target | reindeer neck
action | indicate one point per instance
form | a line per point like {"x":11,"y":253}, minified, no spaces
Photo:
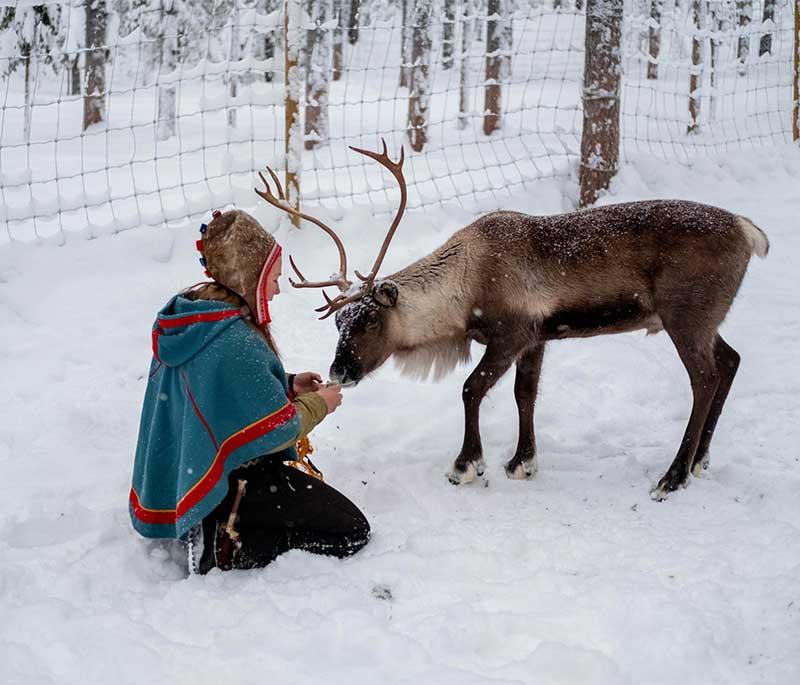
{"x":432,"y":296}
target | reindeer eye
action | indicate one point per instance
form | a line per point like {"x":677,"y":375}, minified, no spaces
{"x":373,"y":320}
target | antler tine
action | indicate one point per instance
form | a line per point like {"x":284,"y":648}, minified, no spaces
{"x":396,"y":168}
{"x":337,"y":303}
{"x":277,"y":183}
{"x":341,"y":282}
{"x":296,"y":270}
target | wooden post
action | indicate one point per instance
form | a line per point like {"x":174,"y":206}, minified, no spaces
{"x":293,"y":14}
{"x":796,"y":118}
{"x":602,"y":76}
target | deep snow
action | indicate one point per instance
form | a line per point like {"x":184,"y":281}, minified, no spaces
{"x":574,"y":577}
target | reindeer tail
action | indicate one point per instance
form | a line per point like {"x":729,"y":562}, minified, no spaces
{"x":759,"y":243}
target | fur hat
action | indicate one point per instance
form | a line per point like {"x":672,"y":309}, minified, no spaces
{"x":239,"y":254}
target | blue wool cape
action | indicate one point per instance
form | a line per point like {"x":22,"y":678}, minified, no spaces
{"x":216,"y":397}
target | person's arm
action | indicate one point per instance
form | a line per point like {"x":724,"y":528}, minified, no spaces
{"x":312,"y":408}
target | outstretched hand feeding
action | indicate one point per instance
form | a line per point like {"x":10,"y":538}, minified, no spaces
{"x":306,"y":382}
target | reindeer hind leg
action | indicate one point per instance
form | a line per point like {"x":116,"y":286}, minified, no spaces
{"x":695,"y":346}
{"x":727,"y":361}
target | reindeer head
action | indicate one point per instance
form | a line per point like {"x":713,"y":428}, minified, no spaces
{"x":362,"y":312}
{"x":363,"y":344}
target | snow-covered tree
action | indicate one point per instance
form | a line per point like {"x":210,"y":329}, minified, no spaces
{"x":72,"y":31}
{"x":654,"y":42}
{"x":271,"y":38}
{"x":497,"y":39}
{"x":318,"y":66}
{"x":175,"y":32}
{"x":602,"y":77}
{"x":352,"y":24}
{"x":30,"y":33}
{"x":338,"y":40}
{"x":420,"y":87}
{"x":448,"y":33}
{"x":406,"y":17}
{"x":744,"y":9}
{"x":507,"y":39}
{"x":94,"y":92}
{"x":467,"y":34}
{"x":696,"y":73}
{"x":765,"y":45}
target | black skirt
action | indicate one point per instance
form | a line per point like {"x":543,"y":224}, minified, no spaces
{"x":283,"y":509}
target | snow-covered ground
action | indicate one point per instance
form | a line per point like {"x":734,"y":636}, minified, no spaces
{"x":574,"y":577}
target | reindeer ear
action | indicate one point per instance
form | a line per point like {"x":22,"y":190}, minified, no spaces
{"x":385,"y":293}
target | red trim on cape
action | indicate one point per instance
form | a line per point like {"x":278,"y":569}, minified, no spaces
{"x":212,"y":476}
{"x":202,"y":317}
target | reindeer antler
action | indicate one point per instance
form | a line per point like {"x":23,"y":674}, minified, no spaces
{"x":333,"y":305}
{"x":396,"y":168}
{"x":280,"y":202}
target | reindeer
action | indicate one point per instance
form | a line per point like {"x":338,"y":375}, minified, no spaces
{"x":514,"y":282}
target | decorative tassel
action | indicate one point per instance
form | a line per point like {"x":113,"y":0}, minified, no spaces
{"x":303,"y":463}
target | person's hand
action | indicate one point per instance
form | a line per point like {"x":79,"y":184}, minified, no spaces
{"x":332,"y":394}
{"x":306,"y":382}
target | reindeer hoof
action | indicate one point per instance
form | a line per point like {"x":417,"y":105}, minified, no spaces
{"x":521,"y":470}
{"x":701,"y":465}
{"x":669,"y":483}
{"x":470,"y":472}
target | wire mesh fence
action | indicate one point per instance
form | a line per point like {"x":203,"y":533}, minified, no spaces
{"x":123,"y":113}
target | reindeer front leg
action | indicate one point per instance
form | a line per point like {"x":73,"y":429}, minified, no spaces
{"x":496,"y":360}
{"x":529,"y":367}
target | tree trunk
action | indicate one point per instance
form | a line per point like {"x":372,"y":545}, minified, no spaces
{"x":234,"y":56}
{"x":406,"y":8}
{"x":467,"y":33}
{"x":269,"y":43}
{"x":492,"y":81}
{"x":655,"y":39}
{"x":26,"y":56}
{"x":74,"y":79}
{"x":765,"y":47}
{"x":716,"y":23}
{"x":601,"y":90}
{"x":318,"y":56}
{"x":744,"y":8}
{"x":168,"y":62}
{"x":695,"y":74}
{"x":448,"y":34}
{"x":352,"y":24}
{"x":338,"y":40}
{"x":94,"y":94}
{"x":796,"y":78}
{"x":419,"y":95}
{"x":507,"y":39}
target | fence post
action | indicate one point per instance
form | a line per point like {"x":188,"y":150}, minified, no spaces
{"x":796,"y":117}
{"x":601,"y":90}
{"x":293,"y":87}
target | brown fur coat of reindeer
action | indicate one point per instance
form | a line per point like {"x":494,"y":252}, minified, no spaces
{"x":514,"y":282}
